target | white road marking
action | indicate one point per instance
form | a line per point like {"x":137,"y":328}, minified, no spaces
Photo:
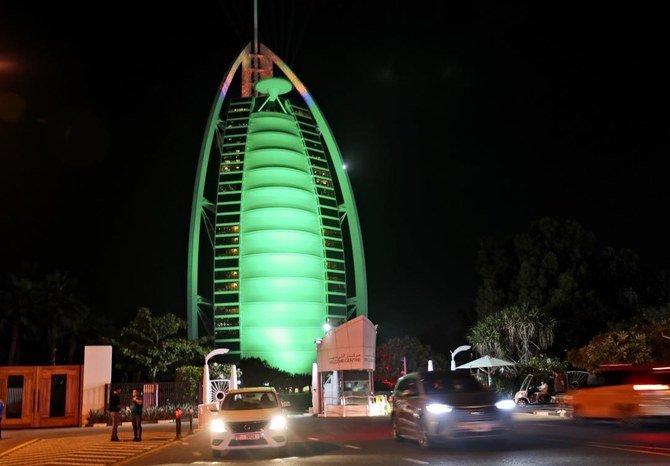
{"x":196,"y":453}
{"x":314,"y":439}
{"x":412,"y":460}
{"x":353,"y":447}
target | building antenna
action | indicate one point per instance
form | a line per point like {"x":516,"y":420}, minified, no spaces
{"x":256,"y":27}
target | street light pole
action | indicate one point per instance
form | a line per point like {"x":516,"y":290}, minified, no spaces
{"x":455,"y":352}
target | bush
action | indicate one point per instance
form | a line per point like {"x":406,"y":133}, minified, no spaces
{"x":97,"y":416}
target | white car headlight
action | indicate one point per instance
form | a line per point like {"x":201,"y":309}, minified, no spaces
{"x":438,"y":408}
{"x":505,"y":404}
{"x":277,"y":423}
{"x":217,"y":425}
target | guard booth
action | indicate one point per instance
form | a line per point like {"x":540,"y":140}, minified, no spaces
{"x":343,"y":376}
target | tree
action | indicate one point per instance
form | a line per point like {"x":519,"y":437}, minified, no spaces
{"x":559,"y":267}
{"x":153,"y":343}
{"x":257,"y":372}
{"x":640,"y":344}
{"x":18,"y":300}
{"x":516,"y":333}
{"x":616,"y":347}
{"x":62,"y":312}
{"x":390,"y":354}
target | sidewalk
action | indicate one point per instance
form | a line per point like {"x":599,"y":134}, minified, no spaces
{"x":73,"y":438}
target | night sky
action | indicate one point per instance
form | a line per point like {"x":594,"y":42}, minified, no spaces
{"x":458,"y":121}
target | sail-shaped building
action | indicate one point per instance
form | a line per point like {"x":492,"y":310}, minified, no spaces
{"x":275,"y":213}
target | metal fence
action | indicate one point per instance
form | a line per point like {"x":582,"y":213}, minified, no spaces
{"x":159,"y":394}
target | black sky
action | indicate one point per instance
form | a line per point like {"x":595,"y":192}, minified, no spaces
{"x":458,"y":121}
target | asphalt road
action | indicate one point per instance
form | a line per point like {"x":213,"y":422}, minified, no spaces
{"x":538,"y":440}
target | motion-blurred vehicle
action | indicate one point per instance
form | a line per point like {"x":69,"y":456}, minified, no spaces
{"x":527,"y":393}
{"x":249,"y":418}
{"x":436,"y":406}
{"x":624,"y":392}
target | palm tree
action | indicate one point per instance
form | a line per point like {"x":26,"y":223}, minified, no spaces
{"x":18,"y":300}
{"x":517,"y":333}
{"x":62,"y":310}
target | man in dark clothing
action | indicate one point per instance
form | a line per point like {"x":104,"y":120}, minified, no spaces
{"x":114,"y":409}
{"x":136,"y":412}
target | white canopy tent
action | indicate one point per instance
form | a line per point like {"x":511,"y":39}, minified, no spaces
{"x":486,"y":364}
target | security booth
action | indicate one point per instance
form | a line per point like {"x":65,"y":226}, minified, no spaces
{"x":344,"y":371}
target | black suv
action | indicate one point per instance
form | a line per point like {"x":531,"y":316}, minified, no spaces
{"x":433,"y":406}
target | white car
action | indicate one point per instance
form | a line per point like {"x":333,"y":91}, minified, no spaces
{"x":249,"y":418}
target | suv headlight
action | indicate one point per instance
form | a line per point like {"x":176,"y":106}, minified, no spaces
{"x":277,"y":423}
{"x":505,"y":404}
{"x":438,"y":408}
{"x":217,"y":425}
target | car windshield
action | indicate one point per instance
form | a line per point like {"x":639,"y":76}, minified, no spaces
{"x":249,"y":400}
{"x":452,"y":384}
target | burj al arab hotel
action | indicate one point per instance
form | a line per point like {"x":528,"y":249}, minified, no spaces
{"x":275,"y":249}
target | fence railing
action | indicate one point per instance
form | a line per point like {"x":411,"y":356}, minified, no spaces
{"x":159,"y":394}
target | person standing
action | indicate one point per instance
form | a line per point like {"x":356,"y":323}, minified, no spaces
{"x":114,"y":411}
{"x":136,"y":412}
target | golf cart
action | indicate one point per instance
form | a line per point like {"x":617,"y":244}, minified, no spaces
{"x":528,"y":392}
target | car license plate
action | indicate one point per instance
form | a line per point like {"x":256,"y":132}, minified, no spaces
{"x":477,"y":426}
{"x":247,"y":436}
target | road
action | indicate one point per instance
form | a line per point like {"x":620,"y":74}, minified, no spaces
{"x":538,"y":440}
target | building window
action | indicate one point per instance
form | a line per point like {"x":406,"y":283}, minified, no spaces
{"x":227,"y":322}
{"x":226,"y":286}
{"x":330,"y":254}
{"x":226,"y":274}
{"x":230,"y":168}
{"x":227,"y":310}
{"x":224,"y":188}
{"x":335,"y":265}
{"x":226,"y":298}
{"x":227,"y":263}
{"x":332,"y":244}
{"x":327,"y":202}
{"x":227,"y":252}
{"x":330,"y":222}
{"x":227,"y":218}
{"x":226,"y":229}
{"x":332,"y":233}
{"x":323,"y":182}
{"x":337,"y":299}
{"x":337,"y":287}
{"x":338,"y":277}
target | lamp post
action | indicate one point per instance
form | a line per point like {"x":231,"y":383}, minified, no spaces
{"x":455,"y":352}
{"x":205,"y":373}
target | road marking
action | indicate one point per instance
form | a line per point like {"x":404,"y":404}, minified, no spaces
{"x":353,"y":447}
{"x":196,"y":453}
{"x":632,"y":450}
{"x":24,"y":444}
{"x":314,"y":439}
{"x":632,"y":446}
{"x":412,"y":460}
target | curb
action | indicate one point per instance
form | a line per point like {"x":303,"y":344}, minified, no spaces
{"x":559,"y":413}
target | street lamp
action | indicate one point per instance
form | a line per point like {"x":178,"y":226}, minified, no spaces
{"x":455,"y":352}
{"x":206,"y":394}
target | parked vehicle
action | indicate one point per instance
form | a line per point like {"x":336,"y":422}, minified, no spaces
{"x":249,"y":418}
{"x":625,"y":393}
{"x":558,"y":385}
{"x":430,"y":407}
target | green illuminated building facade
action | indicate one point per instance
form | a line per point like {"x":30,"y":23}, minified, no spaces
{"x":280,"y":218}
